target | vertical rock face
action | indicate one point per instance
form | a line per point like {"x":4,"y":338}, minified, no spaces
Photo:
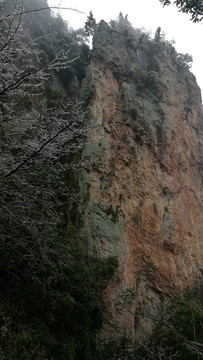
{"x":143,"y":184}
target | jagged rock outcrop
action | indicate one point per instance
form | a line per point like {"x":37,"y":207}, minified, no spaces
{"x":143,"y":185}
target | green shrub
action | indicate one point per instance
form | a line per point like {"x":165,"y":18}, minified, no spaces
{"x":179,"y":333}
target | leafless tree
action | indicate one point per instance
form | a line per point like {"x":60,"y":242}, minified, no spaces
{"x":38,"y":143}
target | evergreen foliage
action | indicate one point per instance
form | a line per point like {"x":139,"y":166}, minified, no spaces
{"x":177,"y":332}
{"x":90,"y":24}
{"x":181,"y":327}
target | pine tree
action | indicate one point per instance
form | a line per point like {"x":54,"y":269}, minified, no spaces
{"x":90,"y":24}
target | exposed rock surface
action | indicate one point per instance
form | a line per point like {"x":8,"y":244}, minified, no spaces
{"x":143,"y":185}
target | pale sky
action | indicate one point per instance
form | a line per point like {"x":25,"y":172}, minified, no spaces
{"x":144,"y":13}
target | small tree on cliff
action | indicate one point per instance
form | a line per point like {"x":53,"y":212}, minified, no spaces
{"x":90,"y":24}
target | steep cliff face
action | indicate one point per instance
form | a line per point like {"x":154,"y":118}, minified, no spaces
{"x":143,"y":184}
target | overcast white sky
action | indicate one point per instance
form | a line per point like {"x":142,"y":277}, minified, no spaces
{"x":148,"y":14}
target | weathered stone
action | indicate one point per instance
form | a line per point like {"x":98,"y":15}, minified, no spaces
{"x":150,"y":170}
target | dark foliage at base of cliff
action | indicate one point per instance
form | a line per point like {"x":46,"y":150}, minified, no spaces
{"x":58,"y":315}
{"x":180,"y":330}
{"x":177,"y":332}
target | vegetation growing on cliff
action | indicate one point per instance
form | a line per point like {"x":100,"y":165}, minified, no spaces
{"x":141,"y":40}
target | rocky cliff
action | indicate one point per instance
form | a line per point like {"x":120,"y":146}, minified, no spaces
{"x":142,"y":186}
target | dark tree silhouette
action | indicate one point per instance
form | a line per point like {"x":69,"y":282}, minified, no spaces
{"x":90,"y":24}
{"x":193,"y":7}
